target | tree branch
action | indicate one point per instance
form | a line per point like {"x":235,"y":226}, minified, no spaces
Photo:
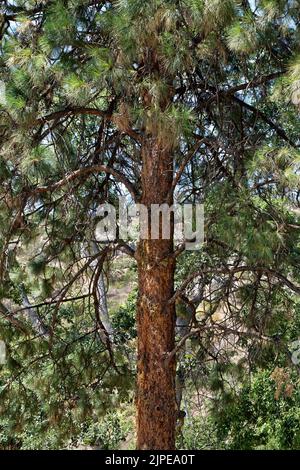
{"x":86,"y":172}
{"x":253,"y":83}
{"x":225,"y":329}
{"x":183,"y":165}
{"x":279,"y":131}
{"x":263,"y":270}
{"x":68,"y":112}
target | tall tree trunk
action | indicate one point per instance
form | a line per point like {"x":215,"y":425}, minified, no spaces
{"x":156,"y":403}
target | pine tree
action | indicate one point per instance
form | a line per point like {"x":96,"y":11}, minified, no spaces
{"x":148,"y":97}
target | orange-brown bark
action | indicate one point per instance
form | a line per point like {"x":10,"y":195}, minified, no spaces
{"x":156,"y":404}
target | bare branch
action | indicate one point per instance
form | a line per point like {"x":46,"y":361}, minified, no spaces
{"x":259,"y":269}
{"x":85,"y":172}
{"x":183,"y":165}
